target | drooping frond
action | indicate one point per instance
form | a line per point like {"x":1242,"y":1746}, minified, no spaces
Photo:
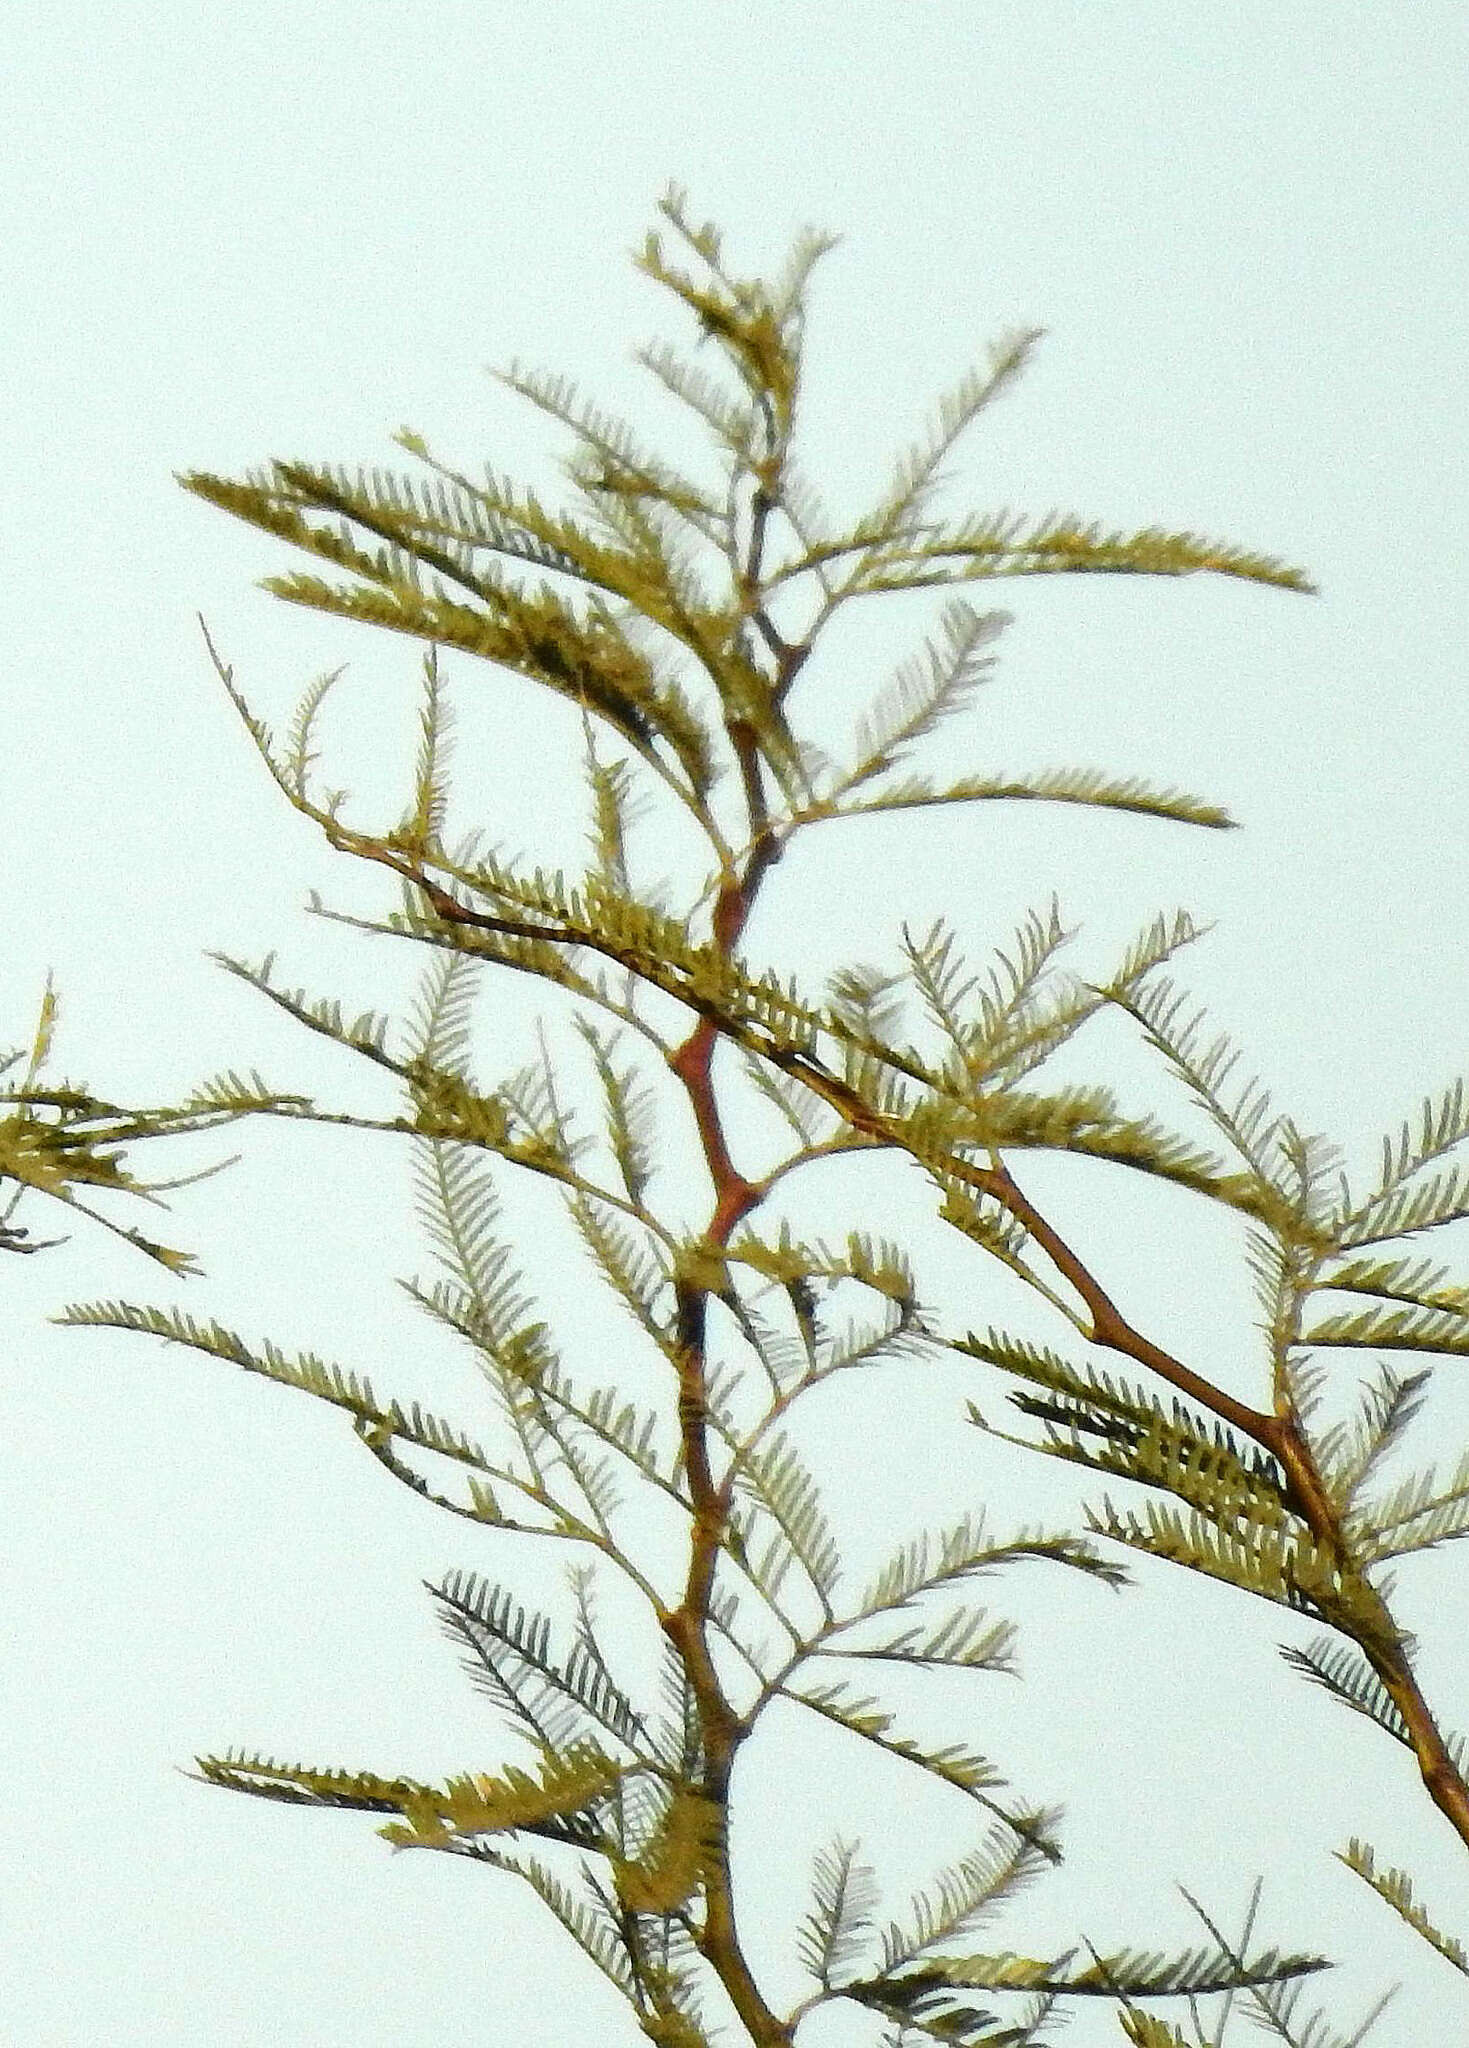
{"x":598,"y":1932}
{"x":1007,"y":545}
{"x":861,"y":1714}
{"x":965,"y":1549}
{"x":582,"y":655}
{"x":1281,"y":1564}
{"x":1093,"y":1420}
{"x":458,"y":1211}
{"x":1079,"y":1120}
{"x":437,"y":1028}
{"x":1340,"y":1669}
{"x":1091,"y":787}
{"x":953,"y":1763}
{"x":306,"y":1372}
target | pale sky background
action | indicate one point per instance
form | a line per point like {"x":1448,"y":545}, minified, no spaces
{"x":268,"y":229}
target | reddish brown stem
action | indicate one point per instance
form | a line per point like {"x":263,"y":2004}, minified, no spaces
{"x":1281,"y":1435}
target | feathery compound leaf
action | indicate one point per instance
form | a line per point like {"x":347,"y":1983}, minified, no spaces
{"x":777,"y":1487}
{"x":1349,"y":1454}
{"x":1415,"y":1515}
{"x":732,"y":420}
{"x":1396,"y":1329}
{"x":596,"y":1930}
{"x":306,"y":1372}
{"x":964,"y":1638}
{"x":635,"y":1270}
{"x":613,"y":811}
{"x":610,"y":458}
{"x":1396,"y":1207}
{"x":1395,"y":1887}
{"x":300,"y":751}
{"x":1279,"y":1564}
{"x":1198,"y":1973}
{"x":952,"y":1763}
{"x":810,"y":1118}
{"x":554,"y":1800}
{"x":924,"y":693}
{"x":367,"y":1034}
{"x":423,"y":827}
{"x":1418,"y":1283}
{"x":1146,"y":2030}
{"x":876,"y":1263}
{"x":670,"y":1868}
{"x":920,"y":471}
{"x":558,"y":1701}
{"x":1249,"y":1124}
{"x":839,"y":1922}
{"x":1007,"y":545}
{"x":961,"y":1899}
{"x":1341,"y":1669}
{"x":629,"y":1108}
{"x":965,"y":1549}
{"x":308,"y":1784}
{"x":1087,"y":786}
{"x":760,"y":336}
{"x":1102,"y":1423}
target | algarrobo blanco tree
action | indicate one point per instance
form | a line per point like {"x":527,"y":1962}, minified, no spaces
{"x":667,"y":610}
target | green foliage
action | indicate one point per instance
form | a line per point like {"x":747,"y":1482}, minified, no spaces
{"x":58,"y":1139}
{"x":675,"y":615}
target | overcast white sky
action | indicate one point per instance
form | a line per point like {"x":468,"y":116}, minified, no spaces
{"x":264,"y":230}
